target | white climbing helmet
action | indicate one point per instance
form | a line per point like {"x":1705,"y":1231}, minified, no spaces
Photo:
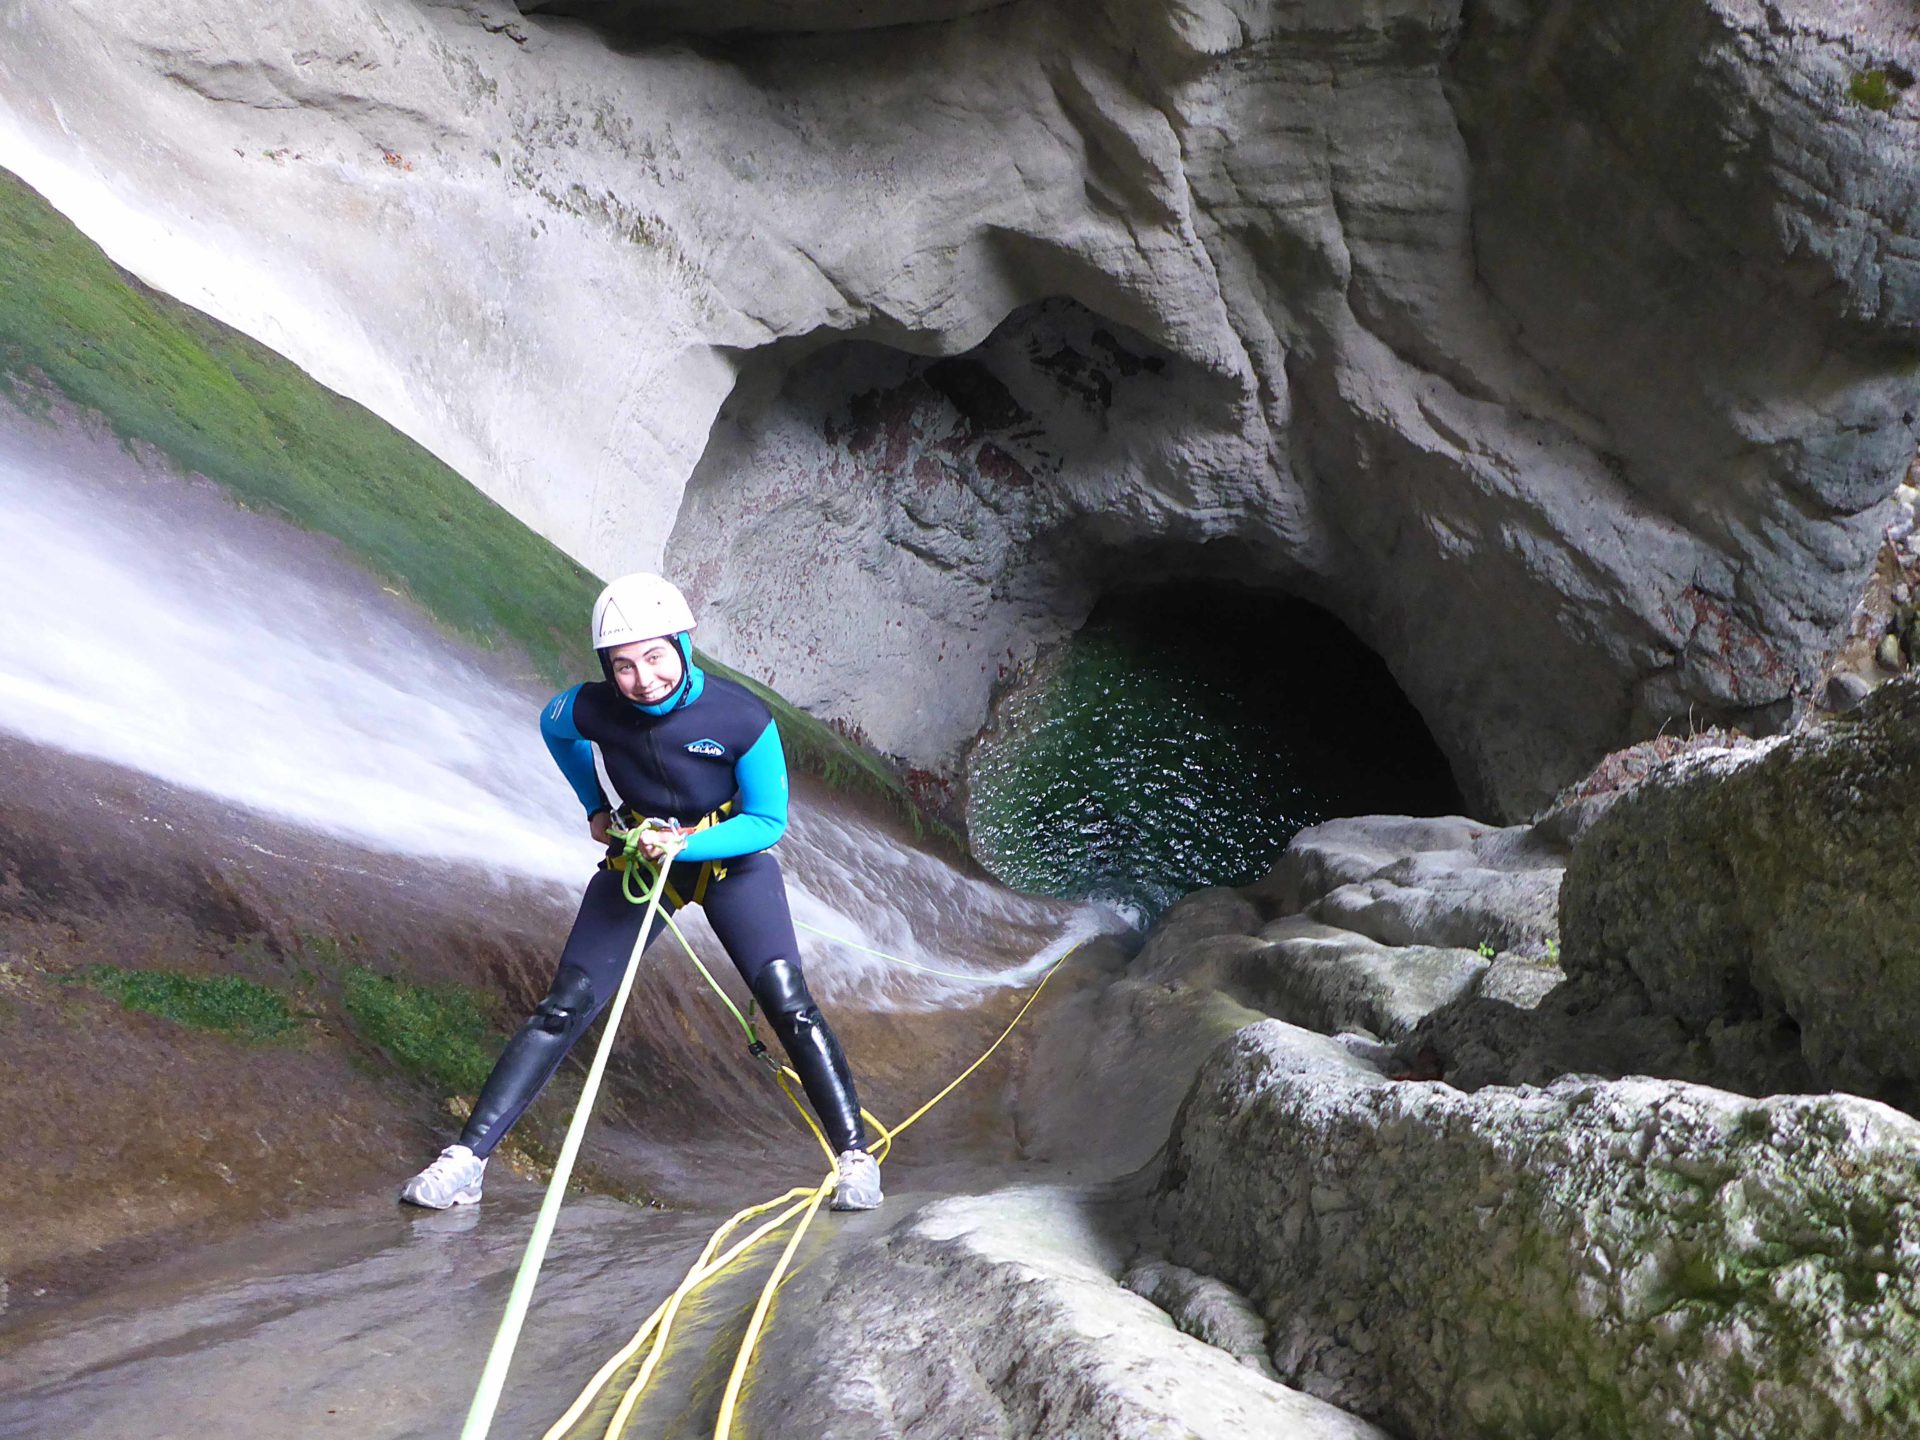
{"x":639,"y":607}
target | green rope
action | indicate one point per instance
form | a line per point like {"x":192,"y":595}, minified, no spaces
{"x":746,"y":1025}
{"x":636,"y":860}
{"x":910,"y":964}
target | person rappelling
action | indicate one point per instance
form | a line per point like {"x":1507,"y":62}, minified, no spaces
{"x":674,"y":741}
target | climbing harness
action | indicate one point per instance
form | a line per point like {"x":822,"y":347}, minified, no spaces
{"x":802,"y":1202}
{"x":629,"y":860}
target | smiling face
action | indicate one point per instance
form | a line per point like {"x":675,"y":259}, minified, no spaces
{"x":647,"y":671}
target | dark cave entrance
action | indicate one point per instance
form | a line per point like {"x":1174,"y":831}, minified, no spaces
{"x":1183,"y":736}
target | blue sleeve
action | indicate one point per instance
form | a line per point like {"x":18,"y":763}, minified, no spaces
{"x":761,"y":774}
{"x":571,"y":751}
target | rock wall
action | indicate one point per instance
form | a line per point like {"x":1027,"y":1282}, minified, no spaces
{"x":1584,"y":333}
{"x":1767,"y":887}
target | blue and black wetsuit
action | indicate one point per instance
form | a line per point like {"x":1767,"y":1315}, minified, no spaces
{"x":709,"y":754}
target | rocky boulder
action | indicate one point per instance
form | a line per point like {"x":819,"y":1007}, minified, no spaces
{"x":1637,"y":1257}
{"x":1771,"y":884}
{"x":1003,"y":1314}
{"x":1414,"y":880}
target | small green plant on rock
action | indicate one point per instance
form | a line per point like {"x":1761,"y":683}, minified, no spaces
{"x":1874,"y":89}
{"x":442,"y":1033}
{"x":1485,"y":950}
{"x":229,"y":1004}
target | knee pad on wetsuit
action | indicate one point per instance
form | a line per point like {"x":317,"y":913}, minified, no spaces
{"x":817,"y":1057}
{"x":531,"y":1057}
{"x":566,"y":1004}
{"x":782,"y":992}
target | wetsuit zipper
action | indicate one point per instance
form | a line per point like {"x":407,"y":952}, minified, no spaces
{"x":666,"y":777}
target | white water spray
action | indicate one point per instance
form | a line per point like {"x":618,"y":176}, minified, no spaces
{"x":150,"y":623}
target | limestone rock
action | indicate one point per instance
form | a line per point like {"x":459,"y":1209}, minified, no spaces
{"x":1635,"y":1257}
{"x":1405,"y":880}
{"x":1001,"y":305}
{"x":1771,"y":886}
{"x":1846,"y":691}
{"x":1205,"y":1308}
{"x":1111,"y":1055}
{"x":1199,"y":915}
{"x":1214,"y":942}
{"x":1002,"y":1314}
{"x":1332,"y":980}
{"x":650,"y":19}
{"x":1518,"y":981}
{"x":1367,"y":946}
{"x":1321,"y":858}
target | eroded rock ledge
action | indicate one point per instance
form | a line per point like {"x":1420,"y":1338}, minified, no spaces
{"x":1582,"y":331}
{"x":1629,"y":1257}
{"x":1769,"y":886}
{"x":1003,"y":1315}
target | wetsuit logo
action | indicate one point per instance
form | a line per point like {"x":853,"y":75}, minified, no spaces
{"x":713,"y":749}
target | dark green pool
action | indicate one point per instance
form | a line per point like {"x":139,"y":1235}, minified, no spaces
{"x":1182,"y":738}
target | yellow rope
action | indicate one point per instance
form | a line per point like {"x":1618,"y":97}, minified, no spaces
{"x":723,"y":1425}
{"x":786,"y":1088}
{"x":663,"y":1314}
{"x":659,"y":1325}
{"x":694,"y":1278}
{"x":953,"y":1084}
{"x":701,"y":1271}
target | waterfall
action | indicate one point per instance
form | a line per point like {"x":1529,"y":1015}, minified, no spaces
{"x":154,"y":624}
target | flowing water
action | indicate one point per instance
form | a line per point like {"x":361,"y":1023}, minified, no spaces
{"x":151,"y":623}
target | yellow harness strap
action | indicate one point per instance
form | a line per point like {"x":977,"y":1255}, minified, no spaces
{"x":710,"y":870}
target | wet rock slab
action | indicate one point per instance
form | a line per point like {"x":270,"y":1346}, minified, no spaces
{"x":371,"y":1322}
{"x":1001,"y":1315}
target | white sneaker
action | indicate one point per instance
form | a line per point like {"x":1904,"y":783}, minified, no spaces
{"x":859,"y":1187}
{"x":453,"y":1179}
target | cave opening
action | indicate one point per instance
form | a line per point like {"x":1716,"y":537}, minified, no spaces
{"x":1182,"y":736}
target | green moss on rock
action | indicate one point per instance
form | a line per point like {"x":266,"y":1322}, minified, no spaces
{"x":1874,"y":89}
{"x":443,"y":1034}
{"x":229,"y":1004}
{"x":228,"y":408}
{"x":214,"y":402}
